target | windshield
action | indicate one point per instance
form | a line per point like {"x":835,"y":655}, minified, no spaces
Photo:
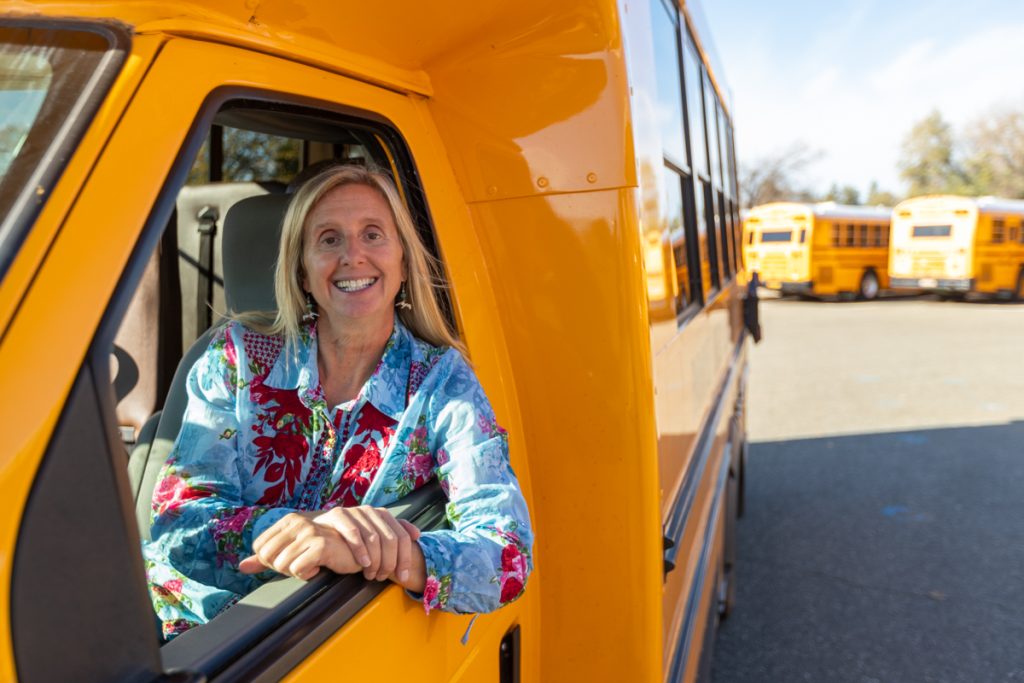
{"x":932,"y":230}
{"x":48,"y":78}
{"x":777,"y":236}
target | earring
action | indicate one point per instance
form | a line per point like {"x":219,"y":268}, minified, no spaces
{"x":311,"y":313}
{"x":403,"y":299}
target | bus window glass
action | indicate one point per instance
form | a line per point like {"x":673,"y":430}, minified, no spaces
{"x":248,"y":156}
{"x":43,"y":76}
{"x":750,"y":237}
{"x":670,"y":94}
{"x":712,"y":129}
{"x":777,"y":236}
{"x":998,"y":230}
{"x":863,"y":242}
{"x":851,"y":235}
{"x":723,"y":138}
{"x":932,"y":230}
{"x":803,"y":236}
{"x":695,"y":108}
{"x":675,"y":228}
{"x":837,"y":239}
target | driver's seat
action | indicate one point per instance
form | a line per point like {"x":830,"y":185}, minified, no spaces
{"x":251,"y":233}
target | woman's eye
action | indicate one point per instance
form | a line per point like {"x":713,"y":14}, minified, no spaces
{"x":374,"y":235}
{"x":329,"y":240}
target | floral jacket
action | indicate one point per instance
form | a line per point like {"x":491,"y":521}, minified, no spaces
{"x":258,"y":441}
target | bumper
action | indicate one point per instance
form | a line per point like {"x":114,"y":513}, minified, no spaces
{"x":948,"y":284}
{"x":793,"y":287}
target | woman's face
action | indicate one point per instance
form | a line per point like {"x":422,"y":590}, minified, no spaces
{"x":352,"y":258}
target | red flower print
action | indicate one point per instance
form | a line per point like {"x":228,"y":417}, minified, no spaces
{"x":174,"y":586}
{"x":430,"y":592}
{"x":418,"y":466}
{"x":172,"y":492}
{"x":511,"y":587}
{"x":511,"y":559}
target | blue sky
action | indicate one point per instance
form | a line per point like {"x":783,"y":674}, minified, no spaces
{"x":850,"y":77}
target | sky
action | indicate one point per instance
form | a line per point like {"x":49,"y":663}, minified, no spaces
{"x":849,"y":78}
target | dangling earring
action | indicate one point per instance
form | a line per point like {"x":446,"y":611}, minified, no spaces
{"x":311,"y":313}
{"x":403,"y":299}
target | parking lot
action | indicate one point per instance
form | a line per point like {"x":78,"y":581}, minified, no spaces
{"x":883,"y":538}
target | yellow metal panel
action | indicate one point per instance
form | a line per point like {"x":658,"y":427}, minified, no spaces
{"x":578,"y":341}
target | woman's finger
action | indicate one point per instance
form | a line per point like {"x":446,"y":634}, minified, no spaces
{"x":371,"y":539}
{"x":341,"y":521}
{"x":391,"y":533}
{"x":251,"y":565}
{"x":307,"y":564}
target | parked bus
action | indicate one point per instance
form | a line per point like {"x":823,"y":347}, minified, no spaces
{"x":148,"y":153}
{"x":823,"y":249}
{"x":959,"y":245}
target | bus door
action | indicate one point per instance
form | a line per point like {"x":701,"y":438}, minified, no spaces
{"x":77,"y":582}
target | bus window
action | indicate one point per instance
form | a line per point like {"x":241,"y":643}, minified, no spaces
{"x":676,"y":229}
{"x":837,"y":235}
{"x":670,"y":93}
{"x":803,"y":236}
{"x":49,"y":78}
{"x":863,"y":241}
{"x":998,"y":230}
{"x":851,"y":235}
{"x":777,"y":236}
{"x":694,"y":108}
{"x":932,"y":230}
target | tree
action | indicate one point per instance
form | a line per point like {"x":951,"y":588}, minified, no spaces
{"x":929,"y":160}
{"x":995,"y":153}
{"x":776,"y":177}
{"x":880,"y":197}
{"x":847,"y":194}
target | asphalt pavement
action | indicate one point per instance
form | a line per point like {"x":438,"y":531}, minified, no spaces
{"x":883,"y":538}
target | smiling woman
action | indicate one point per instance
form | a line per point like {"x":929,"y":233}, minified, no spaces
{"x":298,"y":431}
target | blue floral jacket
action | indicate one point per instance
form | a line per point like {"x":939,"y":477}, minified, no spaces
{"x":258,"y":441}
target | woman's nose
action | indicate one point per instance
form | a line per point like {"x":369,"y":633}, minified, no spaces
{"x":351,"y":251}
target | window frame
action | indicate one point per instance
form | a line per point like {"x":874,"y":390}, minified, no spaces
{"x":26,"y":204}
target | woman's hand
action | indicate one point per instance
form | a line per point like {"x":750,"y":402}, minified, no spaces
{"x":345,"y":540}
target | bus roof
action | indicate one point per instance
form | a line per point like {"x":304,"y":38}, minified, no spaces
{"x":829,"y":210}
{"x":985,"y":204}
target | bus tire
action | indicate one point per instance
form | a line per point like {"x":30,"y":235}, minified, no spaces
{"x":869,"y":286}
{"x":1018,"y":292}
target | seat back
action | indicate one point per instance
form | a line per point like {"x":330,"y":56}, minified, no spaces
{"x":251,"y":232}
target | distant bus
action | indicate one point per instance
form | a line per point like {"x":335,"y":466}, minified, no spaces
{"x":959,"y":245}
{"x":822,"y":249}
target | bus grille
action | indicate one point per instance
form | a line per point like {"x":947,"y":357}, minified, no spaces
{"x":774,"y":266}
{"x":929,"y":264}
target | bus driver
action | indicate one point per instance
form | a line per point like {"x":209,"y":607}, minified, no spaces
{"x":301,"y":424}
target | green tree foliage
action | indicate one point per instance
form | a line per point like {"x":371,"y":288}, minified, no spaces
{"x":929,"y":162}
{"x":879,"y":197}
{"x":995,"y":153}
{"x":847,"y":194}
{"x":249,"y":155}
{"x":776,"y":177}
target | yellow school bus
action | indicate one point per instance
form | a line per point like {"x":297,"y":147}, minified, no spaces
{"x":959,"y":245}
{"x":146,"y":156}
{"x":822,"y":249}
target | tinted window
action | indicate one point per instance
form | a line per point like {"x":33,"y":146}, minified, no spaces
{"x":695,"y":108}
{"x":670,"y":93}
{"x":777,"y":236}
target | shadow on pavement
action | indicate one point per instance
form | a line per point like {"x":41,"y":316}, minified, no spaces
{"x":881,"y":557}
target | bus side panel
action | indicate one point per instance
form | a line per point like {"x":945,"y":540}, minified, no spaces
{"x":566,"y":269}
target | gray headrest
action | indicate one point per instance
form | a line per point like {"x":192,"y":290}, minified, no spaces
{"x":252,"y":231}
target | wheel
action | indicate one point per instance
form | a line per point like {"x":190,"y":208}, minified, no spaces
{"x":868,"y":289}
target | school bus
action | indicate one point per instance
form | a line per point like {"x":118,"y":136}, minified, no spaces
{"x":959,"y":245}
{"x":822,"y":249}
{"x":146,"y":155}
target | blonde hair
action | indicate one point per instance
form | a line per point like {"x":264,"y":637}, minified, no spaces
{"x":424,"y":319}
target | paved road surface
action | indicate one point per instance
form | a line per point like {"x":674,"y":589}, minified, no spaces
{"x":884,"y":533}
